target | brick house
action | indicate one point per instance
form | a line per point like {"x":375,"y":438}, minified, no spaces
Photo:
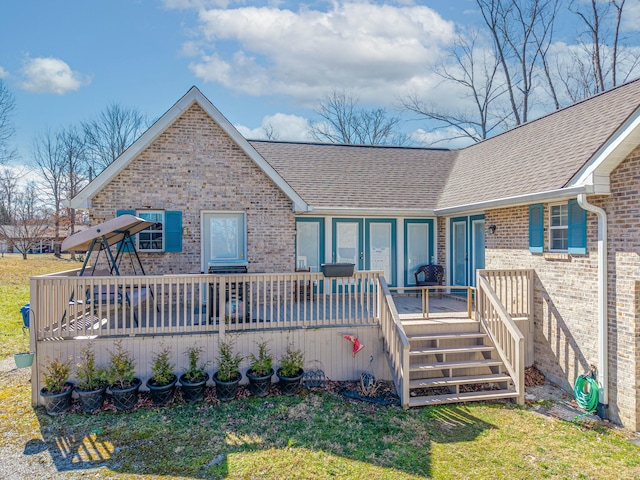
{"x":559,"y":195}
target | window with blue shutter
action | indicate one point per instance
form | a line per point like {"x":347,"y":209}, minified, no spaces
{"x":128,"y":247}
{"x":577,"y":223}
{"x":536,"y":228}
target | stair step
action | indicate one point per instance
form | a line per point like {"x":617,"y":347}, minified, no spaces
{"x":463,"y":349}
{"x":467,"y":379}
{"x":447,"y":336}
{"x":455,"y":365}
{"x":461,"y":397}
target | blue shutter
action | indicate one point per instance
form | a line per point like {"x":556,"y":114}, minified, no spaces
{"x":536,"y":228}
{"x":173,"y":231}
{"x":577,"y":228}
{"x":127,"y":247}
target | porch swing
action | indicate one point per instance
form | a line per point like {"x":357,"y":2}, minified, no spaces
{"x":100,"y":238}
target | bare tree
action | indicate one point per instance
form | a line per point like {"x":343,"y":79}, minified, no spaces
{"x":106,"y":137}
{"x":72,"y":150}
{"x":521,"y":31}
{"x":603,"y":62}
{"x":270,"y":132}
{"x":343,"y":121}
{"x":474,"y":70}
{"x":9,"y":181}
{"x":7,"y":108}
{"x":53,"y":169}
{"x":28,"y":225}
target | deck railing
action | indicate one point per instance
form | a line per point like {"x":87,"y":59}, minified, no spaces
{"x":514,"y":288}
{"x":463,"y":293}
{"x":396,"y":343}
{"x":499,"y":324}
{"x":71,"y":306}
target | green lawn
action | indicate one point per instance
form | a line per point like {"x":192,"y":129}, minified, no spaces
{"x":14,"y":293}
{"x":317,"y":434}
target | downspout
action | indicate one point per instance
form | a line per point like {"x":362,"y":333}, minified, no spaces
{"x":603,"y":369}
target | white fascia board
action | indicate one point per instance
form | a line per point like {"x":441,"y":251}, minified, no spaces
{"x":370,"y":212}
{"x":194,"y":95}
{"x":614,"y":151}
{"x":548,"y":196}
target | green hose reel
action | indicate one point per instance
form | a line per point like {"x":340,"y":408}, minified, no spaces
{"x":587,"y":392}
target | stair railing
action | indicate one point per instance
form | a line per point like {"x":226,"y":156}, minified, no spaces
{"x":503,"y":332}
{"x":396,"y":343}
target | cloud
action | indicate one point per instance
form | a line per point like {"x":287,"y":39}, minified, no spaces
{"x":50,"y":75}
{"x":3,"y":73}
{"x":377,"y":50}
{"x":282,"y":126}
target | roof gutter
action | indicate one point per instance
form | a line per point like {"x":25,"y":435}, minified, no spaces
{"x":603,"y":368}
{"x":549,"y":195}
{"x":381,"y":212}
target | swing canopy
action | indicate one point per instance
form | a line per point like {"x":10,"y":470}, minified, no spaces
{"x":112,"y":231}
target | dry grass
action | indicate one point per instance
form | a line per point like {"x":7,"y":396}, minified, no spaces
{"x":14,"y":292}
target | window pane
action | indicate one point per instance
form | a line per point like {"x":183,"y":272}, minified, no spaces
{"x":227,"y":236}
{"x":308,"y":246}
{"x":151,"y":238}
{"x":559,"y":216}
{"x":417,"y":248}
{"x":380,"y":246}
{"x":559,"y":239}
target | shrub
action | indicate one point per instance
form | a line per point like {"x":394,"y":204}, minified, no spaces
{"x":90,"y":377}
{"x":195,"y":372}
{"x":121,"y":370}
{"x":162,"y":368}
{"x":261,"y":365}
{"x":291,"y":362}
{"x":228,"y":361}
{"x":56,"y":375}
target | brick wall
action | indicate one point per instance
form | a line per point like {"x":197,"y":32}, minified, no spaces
{"x":194,"y":166}
{"x":566,"y":321}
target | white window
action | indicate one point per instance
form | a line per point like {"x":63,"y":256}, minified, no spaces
{"x":152,"y":238}
{"x":225,"y":235}
{"x":559,"y":227}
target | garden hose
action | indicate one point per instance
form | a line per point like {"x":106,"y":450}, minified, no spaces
{"x":587,"y":393}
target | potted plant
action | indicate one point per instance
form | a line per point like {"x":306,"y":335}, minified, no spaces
{"x":57,"y":388}
{"x":195,"y":378}
{"x":91,"y":386}
{"x":123,"y":383}
{"x":290,"y":372}
{"x":162,"y":383}
{"x":260,"y":371}
{"x":228,"y":375}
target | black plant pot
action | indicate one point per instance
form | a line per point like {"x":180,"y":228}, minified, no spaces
{"x":57,"y":403}
{"x":125,"y":399}
{"x":91,"y":400}
{"x":193,"y":391}
{"x":290,"y":385}
{"x":162,"y":394}
{"x":259,"y":385}
{"x":226,"y":391}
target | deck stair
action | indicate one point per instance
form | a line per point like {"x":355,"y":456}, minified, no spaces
{"x":454,"y":362}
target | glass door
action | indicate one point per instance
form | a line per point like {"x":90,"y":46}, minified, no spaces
{"x":347,"y":242}
{"x":459,"y":252}
{"x":309,"y":244}
{"x":418,"y":248}
{"x":381,"y":250}
{"x":477,"y":243}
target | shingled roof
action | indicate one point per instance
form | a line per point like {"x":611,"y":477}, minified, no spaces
{"x":541,"y":155}
{"x":360,"y":176}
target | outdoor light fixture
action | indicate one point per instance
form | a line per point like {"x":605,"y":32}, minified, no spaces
{"x":492,"y":229}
